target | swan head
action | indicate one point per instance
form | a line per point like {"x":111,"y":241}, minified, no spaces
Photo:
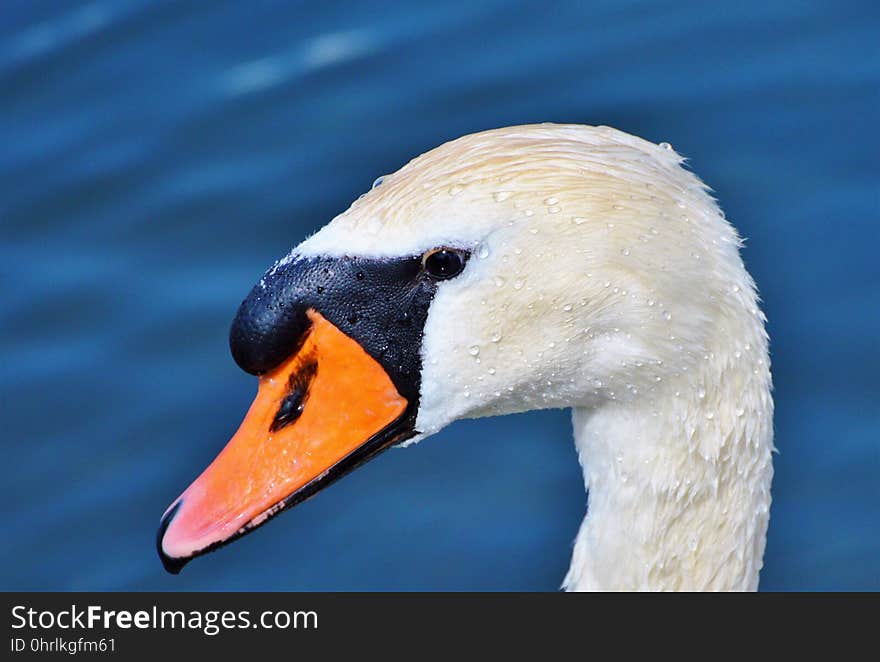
{"x":523,"y":268}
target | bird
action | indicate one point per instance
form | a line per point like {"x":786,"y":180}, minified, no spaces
{"x":515,"y":269}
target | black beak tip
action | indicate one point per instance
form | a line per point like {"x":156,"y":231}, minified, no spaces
{"x":171,"y":564}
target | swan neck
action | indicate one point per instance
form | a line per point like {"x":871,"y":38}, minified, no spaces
{"x":679,"y":482}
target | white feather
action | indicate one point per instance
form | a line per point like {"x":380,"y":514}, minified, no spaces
{"x":603,"y":277}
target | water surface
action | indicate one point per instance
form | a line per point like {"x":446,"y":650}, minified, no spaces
{"x":157,"y":156}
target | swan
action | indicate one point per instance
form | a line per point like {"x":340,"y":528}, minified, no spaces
{"x":529,"y":267}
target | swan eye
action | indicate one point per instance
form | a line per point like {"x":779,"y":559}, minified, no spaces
{"x":443,"y":263}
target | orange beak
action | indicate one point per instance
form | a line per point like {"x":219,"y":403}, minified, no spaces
{"x":324,"y":411}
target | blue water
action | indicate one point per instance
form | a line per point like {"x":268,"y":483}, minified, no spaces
{"x":157,"y":156}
